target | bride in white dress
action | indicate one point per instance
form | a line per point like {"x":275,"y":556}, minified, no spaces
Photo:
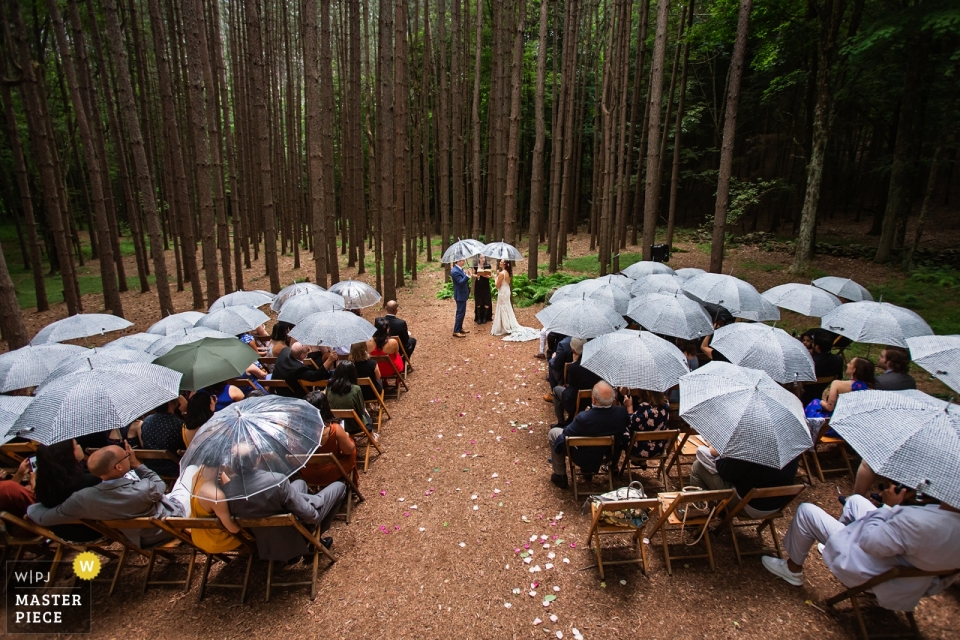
{"x":504,"y":321}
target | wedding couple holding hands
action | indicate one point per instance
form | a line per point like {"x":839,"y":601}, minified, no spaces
{"x":504,"y":321}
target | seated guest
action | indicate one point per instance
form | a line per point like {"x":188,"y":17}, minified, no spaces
{"x":398,"y":327}
{"x":272,"y":494}
{"x":343,"y":392}
{"x":651,"y":412}
{"x":15,"y":498}
{"x":163,"y":430}
{"x":208,"y":499}
{"x":556,"y":364}
{"x":226,"y":394}
{"x":383,"y":345}
{"x":291,"y":369}
{"x":578,"y":379}
{"x":334,"y":440}
{"x":895,"y":363}
{"x":366,"y":368}
{"x":742,"y":476}
{"x":825,"y":363}
{"x":120,"y":495}
{"x":690,"y":348}
{"x":61,"y":472}
{"x":860,"y":374}
{"x":279,"y":340}
{"x":256,"y":340}
{"x":721,"y":318}
{"x":200,"y":408}
{"x":602,"y":419}
{"x":867,"y":541}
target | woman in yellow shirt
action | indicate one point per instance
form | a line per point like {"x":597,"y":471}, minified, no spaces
{"x":207,"y":500}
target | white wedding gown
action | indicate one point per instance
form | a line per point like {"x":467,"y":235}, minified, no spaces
{"x":505,"y":322}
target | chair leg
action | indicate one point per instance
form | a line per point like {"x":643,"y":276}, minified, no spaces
{"x":846,"y":458}
{"x":859,"y":616}
{"x":913,"y":624}
{"x":193,"y":559}
{"x":57,"y":557}
{"x":246,"y":578}
{"x":316,"y":567}
{"x":146,"y":578}
{"x":205,"y":576}
{"x":706,"y":538}
{"x":269,"y":578}
{"x":599,"y":556}
{"x":666,"y":549}
{"x":776,"y":539}
{"x":816,"y":463}
{"x":736,"y":545}
{"x":116,"y":573}
{"x":349,"y":502}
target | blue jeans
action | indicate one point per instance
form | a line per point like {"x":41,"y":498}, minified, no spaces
{"x":461,"y":312}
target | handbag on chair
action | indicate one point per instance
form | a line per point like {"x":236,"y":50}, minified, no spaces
{"x":623,"y":517}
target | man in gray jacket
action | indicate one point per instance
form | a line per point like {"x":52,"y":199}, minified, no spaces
{"x":129,"y":490}
{"x":273,"y":494}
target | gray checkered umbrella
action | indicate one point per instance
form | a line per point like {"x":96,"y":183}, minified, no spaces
{"x":82,"y":325}
{"x":186,"y":336}
{"x":645,"y":268}
{"x":757,"y":346}
{"x":635,"y":359}
{"x":10,"y":409}
{"x":461,"y":250}
{"x":253,"y":299}
{"x":501,"y":251}
{"x":295,"y":289}
{"x":581,"y":318}
{"x":134,"y":341}
{"x":671,"y":314}
{"x":356,"y":294}
{"x":609,"y":294}
{"x":299,"y":307}
{"x":566,"y":292}
{"x":911,"y":438}
{"x":734,"y":294}
{"x":657,"y":283}
{"x":96,"y":400}
{"x":234,"y":320}
{"x":940,"y":355}
{"x":689,"y":272}
{"x":28,"y":366}
{"x":176,"y":323}
{"x":844,"y":288}
{"x":95,"y":359}
{"x":617,"y":279}
{"x":332,"y":329}
{"x":876,"y":323}
{"x":805,"y":299}
{"x":744,"y":414}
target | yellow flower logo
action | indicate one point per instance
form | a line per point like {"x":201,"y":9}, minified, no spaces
{"x":86,"y":565}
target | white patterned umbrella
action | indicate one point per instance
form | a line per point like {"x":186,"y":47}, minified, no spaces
{"x":609,"y":294}
{"x":96,"y":400}
{"x":911,"y":438}
{"x":689,"y":272}
{"x":876,"y":323}
{"x":805,"y":299}
{"x":735,"y":295}
{"x":844,"y":288}
{"x":671,"y":314}
{"x":581,"y":318}
{"x":95,"y":359}
{"x":254,"y":299}
{"x":635,"y":359}
{"x":502,"y":251}
{"x":82,"y":325}
{"x":744,"y":414}
{"x":134,"y":341}
{"x":186,"y":336}
{"x":299,"y":307}
{"x":657,"y":283}
{"x":28,"y":366}
{"x":233,"y":320}
{"x":617,"y":279}
{"x":10,"y":409}
{"x":295,"y":289}
{"x":567,"y":292}
{"x":176,"y":323}
{"x":356,"y":294}
{"x":645,"y":268}
{"x":332,"y":329}
{"x":940,"y":355}
{"x":461,"y":250}
{"x":757,"y":346}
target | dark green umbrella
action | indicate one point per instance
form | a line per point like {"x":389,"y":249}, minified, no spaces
{"x":208,"y":361}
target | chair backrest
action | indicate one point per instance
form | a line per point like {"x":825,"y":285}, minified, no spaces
{"x":597,"y":441}
{"x":370,"y":390}
{"x":347,"y":414}
{"x":385,"y":358}
{"x":720,"y":496}
{"x":586,"y":394}
{"x":270,"y":385}
{"x":825,"y":379}
{"x":181,"y":527}
{"x":37,"y":530}
{"x":566,"y":366}
{"x":791,"y":491}
{"x":19,"y":450}
{"x":268,"y":360}
{"x":669,"y":438}
{"x":241,"y":383}
{"x":618,"y":505}
{"x":310,"y":385}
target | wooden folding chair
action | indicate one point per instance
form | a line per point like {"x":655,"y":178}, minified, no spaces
{"x":268,"y":360}
{"x":372,"y":440}
{"x":17,"y":451}
{"x":396,"y":376}
{"x":381,"y":406}
{"x":672,"y":518}
{"x":598,"y":528}
{"x":586,"y":394}
{"x":60,"y":547}
{"x":321,"y":460}
{"x":604,"y":442}
{"x":685,"y":452}
{"x":408,"y":367}
{"x":566,"y":366}
{"x":891,"y":574}
{"x":241,"y":383}
{"x":313,"y":542}
{"x":272,"y":385}
{"x":115,"y":530}
{"x":181,"y":529}
{"x":837,"y":443}
{"x":8,"y":541}
{"x":738,"y":519}
{"x":313,"y":385}
{"x":633,"y":463}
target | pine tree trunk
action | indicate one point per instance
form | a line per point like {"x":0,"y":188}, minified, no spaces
{"x":536,"y":179}
{"x":678,"y":128}
{"x":513,"y":144}
{"x":475,"y":117}
{"x":652,"y":184}
{"x":311,"y":66}
{"x":327,"y":150}
{"x":443,"y":124}
{"x":385,"y":142}
{"x":12,"y":328}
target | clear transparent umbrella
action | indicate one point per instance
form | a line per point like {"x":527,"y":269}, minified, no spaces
{"x":268,"y":434}
{"x":671,"y":314}
{"x":356,"y":294}
{"x":805,"y":299}
{"x":758,"y":346}
{"x":332,"y":329}
{"x":876,"y":323}
{"x":461,"y":250}
{"x":295,"y":289}
{"x":502,"y":251}
{"x":635,"y":359}
{"x":940,"y":355}
{"x":82,"y":325}
{"x":28,"y":366}
{"x":844,"y":288}
{"x":299,"y":307}
{"x":176,"y":323}
{"x":253,"y":299}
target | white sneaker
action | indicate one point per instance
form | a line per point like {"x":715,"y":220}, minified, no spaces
{"x":778,"y":567}
{"x":820,"y":547}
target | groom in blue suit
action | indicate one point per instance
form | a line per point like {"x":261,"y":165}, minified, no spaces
{"x":461,"y":292}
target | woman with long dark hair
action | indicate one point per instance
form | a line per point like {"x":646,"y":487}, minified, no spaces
{"x":366,"y":368}
{"x":61,"y":472}
{"x":384,"y":345}
{"x":861,"y":375}
{"x":482,"y":301}
{"x":343,"y":392}
{"x":334,"y":440}
{"x":200,"y":407}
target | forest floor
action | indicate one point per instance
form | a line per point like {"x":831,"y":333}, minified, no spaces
{"x":463,"y":486}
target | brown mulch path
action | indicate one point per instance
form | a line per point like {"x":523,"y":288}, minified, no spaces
{"x":461,"y":487}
